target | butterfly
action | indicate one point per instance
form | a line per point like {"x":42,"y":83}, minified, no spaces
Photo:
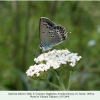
{"x":50,"y":34}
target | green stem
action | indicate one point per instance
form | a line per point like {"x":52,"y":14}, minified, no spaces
{"x":53,"y":85}
{"x":69,"y":82}
{"x":61,"y":82}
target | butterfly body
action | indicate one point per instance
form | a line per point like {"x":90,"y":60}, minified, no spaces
{"x":50,"y":34}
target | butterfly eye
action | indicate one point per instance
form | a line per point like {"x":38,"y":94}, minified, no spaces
{"x":41,"y":45}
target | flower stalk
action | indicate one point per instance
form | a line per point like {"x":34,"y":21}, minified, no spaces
{"x":53,"y":85}
{"x":61,"y":83}
{"x":69,"y":81}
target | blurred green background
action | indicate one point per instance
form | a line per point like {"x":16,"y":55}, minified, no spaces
{"x":19,"y":40}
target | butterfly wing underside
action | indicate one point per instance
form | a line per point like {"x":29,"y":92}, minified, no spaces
{"x":50,"y":34}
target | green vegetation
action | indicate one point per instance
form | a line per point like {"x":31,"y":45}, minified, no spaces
{"x":19,"y":40}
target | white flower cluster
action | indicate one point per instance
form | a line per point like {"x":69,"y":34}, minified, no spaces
{"x":53,"y":59}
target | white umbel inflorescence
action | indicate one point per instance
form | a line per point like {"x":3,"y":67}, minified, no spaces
{"x":52,"y":59}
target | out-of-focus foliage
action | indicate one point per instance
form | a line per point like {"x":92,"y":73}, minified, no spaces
{"x":19,"y":40}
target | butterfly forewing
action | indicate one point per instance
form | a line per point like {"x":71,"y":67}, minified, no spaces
{"x":50,"y":34}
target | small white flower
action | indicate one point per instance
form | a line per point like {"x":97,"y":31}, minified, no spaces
{"x":53,"y":59}
{"x":91,"y":43}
